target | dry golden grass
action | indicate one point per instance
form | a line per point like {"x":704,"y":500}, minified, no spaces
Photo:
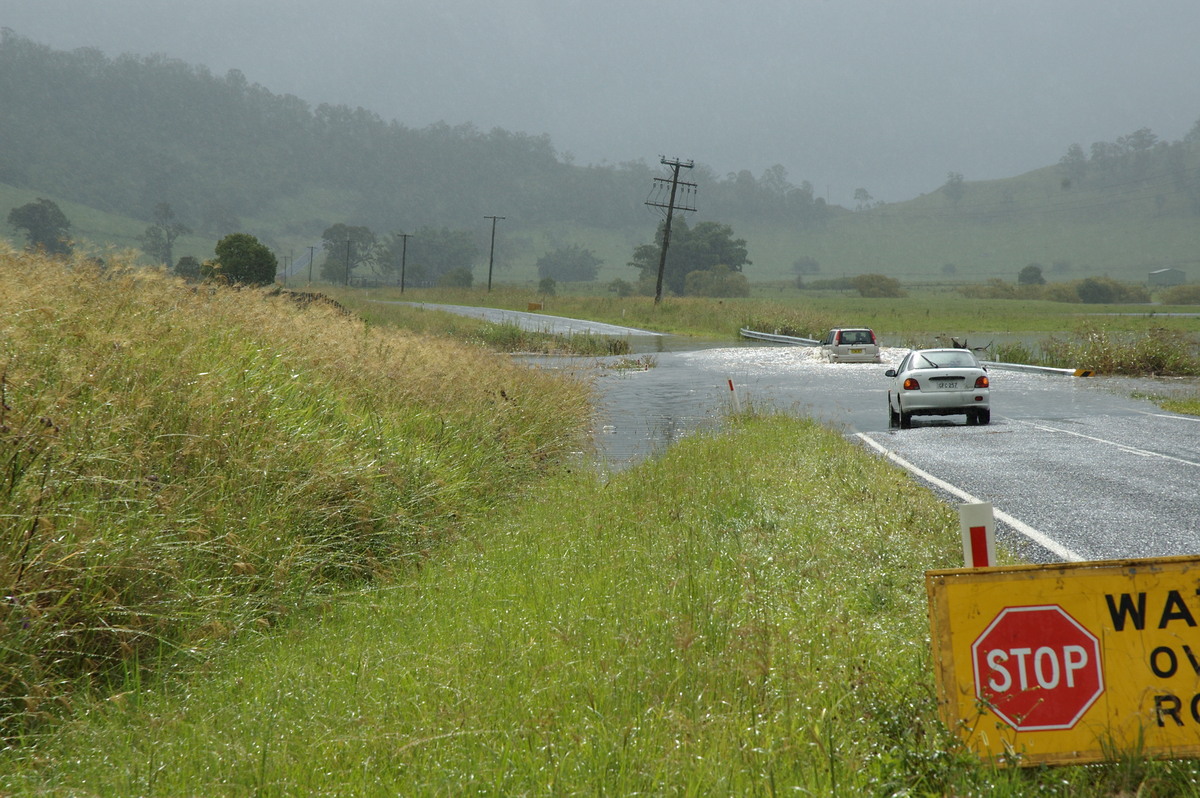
{"x":180,"y":463}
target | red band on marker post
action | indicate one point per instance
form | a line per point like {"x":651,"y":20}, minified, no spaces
{"x":978,"y":527}
{"x":979,"y":547}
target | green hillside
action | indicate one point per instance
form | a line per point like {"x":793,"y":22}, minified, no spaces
{"x":229,"y":156}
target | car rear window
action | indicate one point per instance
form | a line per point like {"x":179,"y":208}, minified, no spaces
{"x":962,"y":359}
{"x":855,"y":337}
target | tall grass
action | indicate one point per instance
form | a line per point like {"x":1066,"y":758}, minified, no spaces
{"x":744,"y":616}
{"x":1157,"y":351}
{"x":182,"y":464}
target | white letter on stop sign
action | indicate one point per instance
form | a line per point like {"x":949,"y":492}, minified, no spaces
{"x":1048,"y":667}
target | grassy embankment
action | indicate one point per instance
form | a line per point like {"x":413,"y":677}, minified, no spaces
{"x":744,"y":615}
{"x":182,"y":464}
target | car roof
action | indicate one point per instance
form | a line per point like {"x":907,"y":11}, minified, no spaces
{"x":945,"y":349}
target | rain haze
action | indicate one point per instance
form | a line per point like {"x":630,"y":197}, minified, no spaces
{"x":888,"y":96}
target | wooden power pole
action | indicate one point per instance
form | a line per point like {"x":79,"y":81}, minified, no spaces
{"x":492,"y":251}
{"x":670,"y":207}
{"x":403,"y":255}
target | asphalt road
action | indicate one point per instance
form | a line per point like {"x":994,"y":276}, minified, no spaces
{"x":1075,"y":468}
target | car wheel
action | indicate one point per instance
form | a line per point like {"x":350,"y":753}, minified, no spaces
{"x":893,"y":416}
{"x":972,"y":418}
{"x":905,"y":420}
{"x":983,"y":416}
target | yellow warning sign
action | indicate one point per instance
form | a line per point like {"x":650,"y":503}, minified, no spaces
{"x":1069,"y":663}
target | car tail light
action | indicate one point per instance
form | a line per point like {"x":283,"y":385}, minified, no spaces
{"x":872,"y":336}
{"x":837,"y":337}
{"x":911,"y":385}
{"x":981,"y":382}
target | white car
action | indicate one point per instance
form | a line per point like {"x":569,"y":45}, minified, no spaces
{"x":850,"y":345}
{"x":938,"y":382}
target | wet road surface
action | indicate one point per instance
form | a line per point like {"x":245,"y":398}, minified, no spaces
{"x":1076,"y":468}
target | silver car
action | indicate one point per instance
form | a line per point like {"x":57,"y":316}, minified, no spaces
{"x":850,"y":345}
{"x":938,"y":382}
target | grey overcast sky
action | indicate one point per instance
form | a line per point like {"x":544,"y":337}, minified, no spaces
{"x":887,"y":95}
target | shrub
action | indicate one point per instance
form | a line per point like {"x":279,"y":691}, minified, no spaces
{"x":621,"y":288}
{"x":877,"y":285}
{"x":1181,"y":295}
{"x":721,"y":281}
{"x":457,"y":278}
{"x":241,"y":259}
{"x":992,"y":289}
{"x":573,"y":264}
{"x":1105,"y":290}
{"x":1159,"y":352}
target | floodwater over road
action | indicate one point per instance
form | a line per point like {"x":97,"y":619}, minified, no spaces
{"x":1082,"y":468}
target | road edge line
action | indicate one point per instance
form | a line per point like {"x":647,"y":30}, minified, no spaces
{"x":1055,"y":548}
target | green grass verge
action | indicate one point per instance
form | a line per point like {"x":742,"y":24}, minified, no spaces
{"x":744,"y":616}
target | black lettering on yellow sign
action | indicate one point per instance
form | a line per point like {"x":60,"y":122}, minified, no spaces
{"x":1126,"y":609}
{"x":1165,"y":663}
{"x":1168,"y":705}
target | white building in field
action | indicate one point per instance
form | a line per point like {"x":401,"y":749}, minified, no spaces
{"x":1163,"y":277}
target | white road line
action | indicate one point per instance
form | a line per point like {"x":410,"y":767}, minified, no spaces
{"x":1175,"y":416}
{"x":1122,"y":446}
{"x":1050,"y":545}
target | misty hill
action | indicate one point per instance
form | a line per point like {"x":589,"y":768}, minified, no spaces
{"x":120,"y":135}
{"x":125,"y":134}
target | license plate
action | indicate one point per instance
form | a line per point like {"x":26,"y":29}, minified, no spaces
{"x":856,"y":351}
{"x":948,"y":385}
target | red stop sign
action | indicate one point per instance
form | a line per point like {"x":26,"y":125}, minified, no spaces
{"x":1037,"y":668}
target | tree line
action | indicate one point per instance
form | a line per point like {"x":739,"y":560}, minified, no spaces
{"x":128,"y":134}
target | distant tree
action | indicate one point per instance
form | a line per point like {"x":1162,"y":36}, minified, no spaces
{"x":457,"y":278}
{"x":877,"y":285}
{"x":1074,"y":165}
{"x":1181,"y":295}
{"x":701,"y":248}
{"x":862,"y":199}
{"x":188,"y":268}
{"x":718,"y":281}
{"x":954,"y":188}
{"x":434,"y":252}
{"x":547,"y":286}
{"x":806,"y":264}
{"x":159,"y":239}
{"x":1193,"y":135}
{"x":1105,"y":290}
{"x":1141,"y":140}
{"x":621,"y":288}
{"x":346,"y":248}
{"x":45,"y":226}
{"x":569,"y":264}
{"x":241,"y":259}
{"x":949,"y":269}
{"x":1031,"y":275}
{"x":1097,"y":290}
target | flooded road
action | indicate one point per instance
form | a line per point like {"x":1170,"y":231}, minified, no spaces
{"x":1076,"y":468}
